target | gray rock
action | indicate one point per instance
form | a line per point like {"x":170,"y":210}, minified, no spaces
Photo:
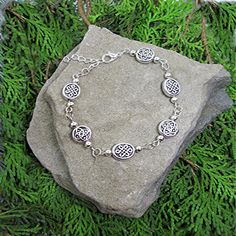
{"x":122,"y":102}
{"x":46,"y":148}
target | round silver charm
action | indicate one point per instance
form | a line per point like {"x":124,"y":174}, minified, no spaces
{"x":168,"y":128}
{"x":81,"y":133}
{"x":71,"y":91}
{"x":170,"y":87}
{"x":123,"y":151}
{"x":145,"y":55}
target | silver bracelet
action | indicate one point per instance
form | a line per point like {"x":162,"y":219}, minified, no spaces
{"x":121,"y":151}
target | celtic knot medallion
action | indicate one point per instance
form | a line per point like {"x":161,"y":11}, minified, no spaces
{"x":145,"y":55}
{"x":123,"y":151}
{"x":81,"y":133}
{"x":168,"y":128}
{"x":71,"y":91}
{"x":171,"y":87}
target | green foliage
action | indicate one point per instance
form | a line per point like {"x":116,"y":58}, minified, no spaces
{"x":198,"y":195}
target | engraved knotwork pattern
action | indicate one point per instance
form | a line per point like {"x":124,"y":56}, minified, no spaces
{"x":145,"y":54}
{"x":168,"y":128}
{"x":81,"y":133}
{"x":123,"y":151}
{"x":171,"y":87}
{"x":71,"y":91}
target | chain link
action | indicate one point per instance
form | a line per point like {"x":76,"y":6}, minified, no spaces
{"x":106,"y":58}
{"x":96,"y":151}
{"x":156,"y":142}
{"x":177,"y":110}
{"x":69,"y":112}
{"x":164,"y":64}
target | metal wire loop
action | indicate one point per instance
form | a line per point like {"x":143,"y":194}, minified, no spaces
{"x":96,"y":152}
{"x":81,"y":59}
{"x":126,"y":50}
{"x":75,"y":57}
{"x":85,"y":71}
{"x":69,"y":117}
{"x":69,"y":109}
{"x":66,"y":59}
{"x":148,"y":146}
{"x":164,"y":64}
{"x":75,"y":76}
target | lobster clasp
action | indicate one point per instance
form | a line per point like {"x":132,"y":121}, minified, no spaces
{"x":109,"y":57}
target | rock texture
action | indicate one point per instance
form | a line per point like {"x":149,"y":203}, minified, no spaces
{"x":122,"y":102}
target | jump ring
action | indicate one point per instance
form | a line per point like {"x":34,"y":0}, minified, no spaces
{"x":96,"y":152}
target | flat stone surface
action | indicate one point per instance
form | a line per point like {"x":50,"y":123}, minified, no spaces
{"x":46,"y":148}
{"x":122,"y":102}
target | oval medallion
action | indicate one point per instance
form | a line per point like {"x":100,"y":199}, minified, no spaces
{"x":170,"y":87}
{"x":81,"y":133}
{"x":71,"y":91}
{"x":168,"y":128}
{"x":123,"y":151}
{"x":145,"y":55}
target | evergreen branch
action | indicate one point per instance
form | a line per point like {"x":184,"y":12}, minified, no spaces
{"x":156,"y":2}
{"x":189,"y":17}
{"x":194,"y":166}
{"x":5,"y":233}
{"x":88,"y":7}
{"x":20,"y":17}
{"x":82,"y":11}
{"x":204,"y":40}
{"x":47,"y":71}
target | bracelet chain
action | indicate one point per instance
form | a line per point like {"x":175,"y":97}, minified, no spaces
{"x":170,"y":87}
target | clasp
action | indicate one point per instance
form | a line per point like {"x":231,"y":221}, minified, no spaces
{"x":109,"y":57}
